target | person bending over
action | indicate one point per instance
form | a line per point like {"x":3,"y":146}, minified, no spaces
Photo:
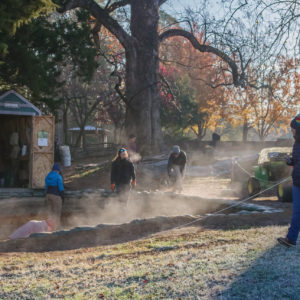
{"x":176,"y":167}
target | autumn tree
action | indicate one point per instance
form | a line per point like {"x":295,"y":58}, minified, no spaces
{"x":268,"y":108}
{"x":205,"y":81}
{"x":141,"y":45}
{"x":239,"y":109}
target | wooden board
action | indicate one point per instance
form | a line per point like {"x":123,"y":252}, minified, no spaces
{"x":42,"y":150}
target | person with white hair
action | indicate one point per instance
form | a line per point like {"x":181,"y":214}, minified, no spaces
{"x":176,"y":167}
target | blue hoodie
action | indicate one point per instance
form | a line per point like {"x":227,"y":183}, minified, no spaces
{"x":54,"y":183}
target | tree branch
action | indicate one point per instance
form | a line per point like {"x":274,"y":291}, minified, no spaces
{"x":238,"y":80}
{"x":102,"y":17}
{"x":95,"y":32}
{"x":117,"y":5}
{"x":161,"y":2}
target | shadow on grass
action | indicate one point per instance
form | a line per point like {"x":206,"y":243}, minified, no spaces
{"x":274,"y":275}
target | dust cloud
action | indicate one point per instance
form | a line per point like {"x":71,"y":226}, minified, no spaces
{"x":94,"y":210}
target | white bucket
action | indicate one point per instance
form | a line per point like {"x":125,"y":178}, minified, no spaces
{"x":65,"y":155}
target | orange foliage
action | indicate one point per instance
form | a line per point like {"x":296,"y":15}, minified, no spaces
{"x":270,"y":108}
{"x":204,"y":72}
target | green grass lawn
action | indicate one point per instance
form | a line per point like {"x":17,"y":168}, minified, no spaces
{"x":187,"y":264}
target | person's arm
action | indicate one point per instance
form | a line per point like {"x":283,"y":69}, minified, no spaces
{"x":60,"y":183}
{"x":113,"y":176}
{"x":132,"y":171}
{"x":289,"y":161}
{"x":113,"y":173}
{"x":183,"y":163}
{"x":132,"y":174}
{"x":46,"y":184}
{"x":170,"y":164}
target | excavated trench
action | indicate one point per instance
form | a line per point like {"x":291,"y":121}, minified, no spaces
{"x":96,"y":217}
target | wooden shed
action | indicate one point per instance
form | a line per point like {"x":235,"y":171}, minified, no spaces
{"x":26,"y":142}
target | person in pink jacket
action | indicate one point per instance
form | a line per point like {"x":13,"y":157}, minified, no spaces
{"x":33,"y":226}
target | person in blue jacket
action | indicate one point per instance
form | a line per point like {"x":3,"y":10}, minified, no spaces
{"x":292,"y":236}
{"x":54,"y":193}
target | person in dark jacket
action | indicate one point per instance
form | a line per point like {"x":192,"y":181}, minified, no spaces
{"x":176,"y":167}
{"x":54,"y":193}
{"x":122,"y":175}
{"x":293,"y":232}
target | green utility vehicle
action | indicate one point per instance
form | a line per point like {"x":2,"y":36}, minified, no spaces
{"x":270,"y":170}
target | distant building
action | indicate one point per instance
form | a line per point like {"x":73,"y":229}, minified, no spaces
{"x":26,"y":142}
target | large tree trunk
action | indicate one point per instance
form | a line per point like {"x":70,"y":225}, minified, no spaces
{"x":201,"y":132}
{"x":141,"y":47}
{"x":143,"y":115}
{"x":59,"y":127}
{"x":66,"y":127}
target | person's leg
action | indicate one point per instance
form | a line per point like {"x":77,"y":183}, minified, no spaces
{"x":54,"y":207}
{"x":57,"y":210}
{"x":123,"y":193}
{"x":178,"y":183}
{"x":49,"y":201}
{"x":172,"y":179}
{"x":126,"y":194}
{"x":295,"y":223}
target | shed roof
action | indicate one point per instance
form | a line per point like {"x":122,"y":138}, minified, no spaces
{"x":12,"y":103}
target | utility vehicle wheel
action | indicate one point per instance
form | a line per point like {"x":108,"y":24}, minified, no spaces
{"x":284,"y":192}
{"x":253,"y":186}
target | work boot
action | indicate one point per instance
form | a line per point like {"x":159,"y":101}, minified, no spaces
{"x":285,"y":242}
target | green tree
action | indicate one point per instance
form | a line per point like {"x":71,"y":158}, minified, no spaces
{"x":39,"y":50}
{"x":13,"y":13}
{"x":180,"y":112}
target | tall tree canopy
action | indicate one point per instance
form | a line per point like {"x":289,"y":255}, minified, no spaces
{"x":13,"y":13}
{"x":38,"y":51}
{"x":141,"y":43}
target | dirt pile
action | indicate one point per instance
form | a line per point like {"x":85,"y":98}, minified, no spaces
{"x":93,"y":236}
{"x":93,"y":207}
{"x":138,"y":220}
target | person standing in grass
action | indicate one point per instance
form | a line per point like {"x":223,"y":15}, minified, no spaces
{"x":292,"y":236}
{"x":122,"y":175}
{"x":54,"y":193}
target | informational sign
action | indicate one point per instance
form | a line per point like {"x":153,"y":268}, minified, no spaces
{"x":11,"y":105}
{"x":43,"y":139}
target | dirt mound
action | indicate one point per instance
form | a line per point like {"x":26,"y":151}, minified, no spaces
{"x":93,"y":236}
{"x":85,"y":209}
{"x":92,"y":207}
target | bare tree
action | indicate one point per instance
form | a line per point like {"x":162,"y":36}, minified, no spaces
{"x":82,"y":99}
